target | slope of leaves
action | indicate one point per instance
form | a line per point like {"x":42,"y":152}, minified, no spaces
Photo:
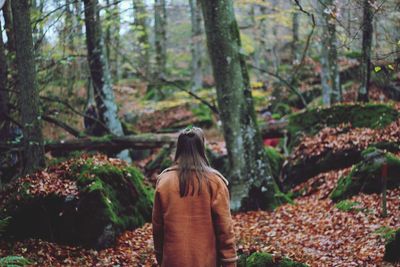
{"x":345,"y":137}
{"x":54,"y":180}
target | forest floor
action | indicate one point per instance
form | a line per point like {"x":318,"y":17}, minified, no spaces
{"x":312,"y":230}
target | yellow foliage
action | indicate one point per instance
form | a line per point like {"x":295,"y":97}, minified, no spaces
{"x":247,"y":43}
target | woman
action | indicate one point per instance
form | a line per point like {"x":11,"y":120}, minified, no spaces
{"x":192,"y":224}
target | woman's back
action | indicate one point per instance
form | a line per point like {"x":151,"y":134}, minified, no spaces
{"x":194,"y":230}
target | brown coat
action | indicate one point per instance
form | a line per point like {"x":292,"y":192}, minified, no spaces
{"x":193,"y":231}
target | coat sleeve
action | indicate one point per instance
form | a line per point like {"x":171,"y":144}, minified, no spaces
{"x":158,"y":231}
{"x":223,"y":226}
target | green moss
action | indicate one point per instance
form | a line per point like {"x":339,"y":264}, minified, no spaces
{"x":346,"y":205}
{"x":354,"y":54}
{"x":203,"y":114}
{"x":386,"y":232}
{"x":366,"y":175}
{"x":392,"y":248}
{"x":368,"y":115}
{"x":262,"y":259}
{"x":123,"y":198}
{"x":259,"y":259}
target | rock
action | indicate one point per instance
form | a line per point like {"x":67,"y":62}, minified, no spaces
{"x":366,"y":176}
{"x":88,"y":202}
{"x":311,"y":121}
{"x":392,"y":248}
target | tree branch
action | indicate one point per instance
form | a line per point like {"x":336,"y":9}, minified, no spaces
{"x":205,"y":102}
{"x":63,"y":125}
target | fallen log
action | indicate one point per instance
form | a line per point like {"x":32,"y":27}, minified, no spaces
{"x":113,"y":143}
{"x":106,"y":143}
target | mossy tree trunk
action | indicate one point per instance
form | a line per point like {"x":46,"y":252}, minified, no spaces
{"x":100,"y":73}
{"x":197,"y":74}
{"x":367,"y":29}
{"x":141,"y":16}
{"x":69,"y":40}
{"x":117,"y":21}
{"x":249,"y":166}
{"x":28,"y":97}
{"x":296,"y":53}
{"x":160,"y":24}
{"x":3,"y":89}
{"x":330,"y":75}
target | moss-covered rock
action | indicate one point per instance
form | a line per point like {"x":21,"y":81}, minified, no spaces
{"x":262,"y":259}
{"x":358,"y":115}
{"x":392,"y":248}
{"x":299,"y":170}
{"x":86,"y":202}
{"x":366,"y":176}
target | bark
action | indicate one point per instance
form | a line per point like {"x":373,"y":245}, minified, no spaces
{"x":333,"y":58}
{"x":100,"y":73}
{"x":160,"y":24}
{"x":296,"y":53}
{"x":28,"y":101}
{"x":141,"y":16}
{"x":116,"y":37}
{"x":249,"y":166}
{"x":330,"y":76}
{"x":3,"y":88}
{"x":263,"y":39}
{"x":107,"y":37}
{"x":197,"y":75}
{"x":366,"y":51}
{"x":70,"y":45}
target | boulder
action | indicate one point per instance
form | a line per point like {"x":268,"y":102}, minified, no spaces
{"x":392,"y":248}
{"x":366,"y":176}
{"x":311,"y":121}
{"x":86,"y":201}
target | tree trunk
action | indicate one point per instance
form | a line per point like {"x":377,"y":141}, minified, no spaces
{"x":100,"y":73}
{"x":249,"y":168}
{"x":197,"y":74}
{"x":263,"y":39}
{"x":3,"y":89}
{"x":69,"y":28}
{"x":141,"y":16}
{"x":296,"y":53}
{"x":160,"y":24}
{"x":33,"y":152}
{"x":116,"y":37}
{"x":326,"y":74}
{"x":333,"y":56}
{"x":366,"y":51}
{"x":107,"y":38}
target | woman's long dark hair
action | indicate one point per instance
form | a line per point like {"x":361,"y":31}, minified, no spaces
{"x":192,"y":160}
